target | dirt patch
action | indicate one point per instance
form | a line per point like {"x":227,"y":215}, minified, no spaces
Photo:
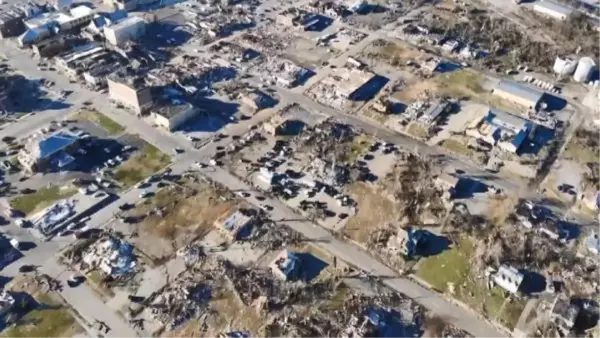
{"x":178,"y":214}
{"x":45,"y":315}
{"x":374,"y":211}
{"x":392,"y":53}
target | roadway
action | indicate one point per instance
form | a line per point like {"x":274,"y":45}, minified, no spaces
{"x":85,"y":301}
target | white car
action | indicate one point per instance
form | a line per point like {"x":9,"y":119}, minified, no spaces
{"x":200,"y":164}
{"x":144,"y":194}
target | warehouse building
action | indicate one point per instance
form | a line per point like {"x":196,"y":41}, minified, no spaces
{"x":130,"y":91}
{"x":519,"y":93}
{"x":553,"y":9}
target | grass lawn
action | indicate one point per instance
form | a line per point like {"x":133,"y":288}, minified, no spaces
{"x":580,"y":152}
{"x":111,"y":127}
{"x":511,"y":312}
{"x":453,"y":266}
{"x":140,"y":166}
{"x":417,"y":130}
{"x":50,"y":318}
{"x":456,"y":147}
{"x":375,"y":210}
{"x":460,"y":83}
{"x":41,"y":199}
{"x":375,"y":115}
{"x":359,"y":146}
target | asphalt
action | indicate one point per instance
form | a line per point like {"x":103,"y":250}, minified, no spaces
{"x":85,"y":301}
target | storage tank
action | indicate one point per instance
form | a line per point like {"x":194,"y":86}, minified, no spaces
{"x":584,"y":69}
{"x":564,"y":65}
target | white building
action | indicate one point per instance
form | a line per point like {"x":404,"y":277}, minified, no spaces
{"x":508,"y":278}
{"x":46,"y":24}
{"x":125,"y":30}
{"x":553,"y":9}
{"x":172,"y":117}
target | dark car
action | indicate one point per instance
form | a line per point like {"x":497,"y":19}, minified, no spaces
{"x":27,"y":268}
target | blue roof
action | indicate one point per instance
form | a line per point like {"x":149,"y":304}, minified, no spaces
{"x":63,"y":159}
{"x":290,"y":265}
{"x":56,"y":142}
{"x":519,"y":138}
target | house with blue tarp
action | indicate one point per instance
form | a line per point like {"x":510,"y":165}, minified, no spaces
{"x":286,"y":265}
{"x":43,"y":151}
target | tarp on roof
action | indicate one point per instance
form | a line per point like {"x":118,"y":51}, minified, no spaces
{"x":55,"y":143}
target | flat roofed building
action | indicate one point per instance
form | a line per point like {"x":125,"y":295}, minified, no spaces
{"x":43,"y":151}
{"x":172,"y":116}
{"x":519,"y":93}
{"x":128,"y":29}
{"x":347,"y":81}
{"x":131,"y":91}
{"x":231,"y":224}
{"x":553,"y":9}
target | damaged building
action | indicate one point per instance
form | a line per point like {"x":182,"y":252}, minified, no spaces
{"x":47,"y":24}
{"x":508,"y":132}
{"x":42,"y":152}
{"x":111,"y":255}
{"x":130,"y":90}
{"x":231,"y":224}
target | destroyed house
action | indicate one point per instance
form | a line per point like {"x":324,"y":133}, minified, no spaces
{"x":434,"y":112}
{"x":407,"y":242}
{"x":564,"y":314}
{"x":113,"y":256}
{"x":232,"y":224}
{"x":508,"y":278}
{"x":286,"y":265}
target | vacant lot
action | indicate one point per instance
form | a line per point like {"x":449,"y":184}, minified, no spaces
{"x":45,"y":315}
{"x":450,"y":272}
{"x":141,"y":165}
{"x":177,"y":215}
{"x":375,"y":210}
{"x":417,"y":130}
{"x":583,"y":146}
{"x":111,"y":127}
{"x":392,"y":53}
{"x":43,"y":198}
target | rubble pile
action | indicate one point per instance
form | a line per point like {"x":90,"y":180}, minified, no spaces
{"x":359,"y":316}
{"x":265,"y":41}
{"x":180,"y":301}
{"x":273,"y":236}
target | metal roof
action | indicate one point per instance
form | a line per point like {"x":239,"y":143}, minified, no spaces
{"x":553,"y":7}
{"x":520,"y":90}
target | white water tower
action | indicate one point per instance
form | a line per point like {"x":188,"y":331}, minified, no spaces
{"x":584,"y":69}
